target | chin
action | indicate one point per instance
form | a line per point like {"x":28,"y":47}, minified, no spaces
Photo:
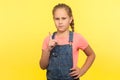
{"x":61,"y":30}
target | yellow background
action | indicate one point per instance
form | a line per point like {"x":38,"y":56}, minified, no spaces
{"x":25,"y":23}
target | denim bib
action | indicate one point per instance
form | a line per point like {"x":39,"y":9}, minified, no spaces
{"x":60,"y":61}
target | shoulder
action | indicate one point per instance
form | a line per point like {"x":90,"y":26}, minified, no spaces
{"x":46,"y":39}
{"x":45,"y":42}
{"x":80,"y":41}
{"x":78,"y":36}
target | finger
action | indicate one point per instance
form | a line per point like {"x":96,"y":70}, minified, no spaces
{"x":55,"y":42}
{"x":73,"y":69}
{"x":76,"y":77}
{"x":50,"y":36}
{"x":72,"y":73}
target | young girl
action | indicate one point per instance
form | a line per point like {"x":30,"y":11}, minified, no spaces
{"x":60,"y":50}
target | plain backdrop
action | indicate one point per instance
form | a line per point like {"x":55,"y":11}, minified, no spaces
{"x":25,"y":23}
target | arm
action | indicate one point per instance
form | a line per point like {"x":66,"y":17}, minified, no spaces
{"x":78,"y":72}
{"x":90,"y":59}
{"x":44,"y":61}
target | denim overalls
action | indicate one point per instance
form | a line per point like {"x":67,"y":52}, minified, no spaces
{"x":60,"y":61}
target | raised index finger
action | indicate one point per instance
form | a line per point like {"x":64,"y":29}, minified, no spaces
{"x":50,"y":36}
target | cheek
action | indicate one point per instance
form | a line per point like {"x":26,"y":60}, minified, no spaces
{"x":67,"y":22}
{"x":70,"y":21}
{"x":55,"y":22}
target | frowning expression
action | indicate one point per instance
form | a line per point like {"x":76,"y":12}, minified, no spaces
{"x":62,"y":19}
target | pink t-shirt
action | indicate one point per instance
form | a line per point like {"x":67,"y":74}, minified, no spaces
{"x":78,"y":43}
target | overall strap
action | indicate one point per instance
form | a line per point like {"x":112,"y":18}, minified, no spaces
{"x":70,"y":36}
{"x":53,"y":36}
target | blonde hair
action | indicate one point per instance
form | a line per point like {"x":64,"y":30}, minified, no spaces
{"x":68,"y":10}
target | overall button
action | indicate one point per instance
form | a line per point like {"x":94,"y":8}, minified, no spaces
{"x":55,"y":55}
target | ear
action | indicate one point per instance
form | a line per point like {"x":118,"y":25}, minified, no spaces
{"x":71,"y":18}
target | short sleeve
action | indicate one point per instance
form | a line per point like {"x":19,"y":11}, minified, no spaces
{"x":45,"y":43}
{"x":81,"y":42}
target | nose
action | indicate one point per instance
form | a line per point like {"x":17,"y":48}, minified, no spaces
{"x":60,"y":21}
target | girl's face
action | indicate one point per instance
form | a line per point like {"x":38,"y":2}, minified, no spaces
{"x":61,"y":19}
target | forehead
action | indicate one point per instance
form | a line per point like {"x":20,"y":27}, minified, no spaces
{"x":60,"y":12}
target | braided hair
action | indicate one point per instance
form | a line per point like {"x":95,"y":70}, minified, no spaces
{"x":68,"y":10}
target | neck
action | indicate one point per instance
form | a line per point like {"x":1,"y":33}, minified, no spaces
{"x":62,"y":34}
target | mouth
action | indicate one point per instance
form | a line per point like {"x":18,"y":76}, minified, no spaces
{"x":60,"y":26}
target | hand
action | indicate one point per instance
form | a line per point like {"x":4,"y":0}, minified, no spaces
{"x":76,"y":72}
{"x":52,"y":42}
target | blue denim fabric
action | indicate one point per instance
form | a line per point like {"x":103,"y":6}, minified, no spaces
{"x":60,"y":61}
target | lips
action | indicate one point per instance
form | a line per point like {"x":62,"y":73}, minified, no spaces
{"x":60,"y":26}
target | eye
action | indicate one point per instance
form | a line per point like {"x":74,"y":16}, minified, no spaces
{"x":63,"y":18}
{"x":56,"y":18}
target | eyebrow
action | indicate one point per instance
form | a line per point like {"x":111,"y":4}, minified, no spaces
{"x":61,"y":17}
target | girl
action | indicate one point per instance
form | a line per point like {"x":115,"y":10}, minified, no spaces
{"x":60,"y":51}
